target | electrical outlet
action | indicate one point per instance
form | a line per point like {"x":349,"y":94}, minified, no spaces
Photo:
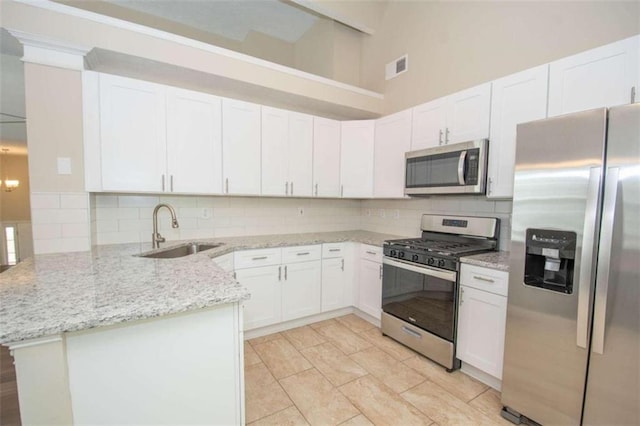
{"x":396,"y":214}
{"x":206,"y":213}
{"x":300,"y":211}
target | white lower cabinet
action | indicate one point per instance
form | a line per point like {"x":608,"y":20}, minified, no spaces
{"x":370,"y":280}
{"x":265,"y":285}
{"x":337,"y":279}
{"x":285,"y":283}
{"x":482,"y":313}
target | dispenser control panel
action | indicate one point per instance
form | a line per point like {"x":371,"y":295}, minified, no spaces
{"x":550,"y":259}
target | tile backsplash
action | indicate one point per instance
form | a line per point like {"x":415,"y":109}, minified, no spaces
{"x":123,"y":218}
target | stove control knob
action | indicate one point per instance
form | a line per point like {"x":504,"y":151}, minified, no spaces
{"x":414,"y":257}
{"x":393,"y":252}
{"x":401,"y":254}
{"x":441,"y":263}
{"x":431,"y":261}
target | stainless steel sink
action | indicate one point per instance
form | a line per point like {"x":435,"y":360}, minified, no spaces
{"x":181,"y":251}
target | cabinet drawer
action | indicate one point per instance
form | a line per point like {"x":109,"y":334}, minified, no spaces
{"x":332,"y":250}
{"x":371,"y":252}
{"x":301,"y":253}
{"x":255,"y":258}
{"x":485,"y":279}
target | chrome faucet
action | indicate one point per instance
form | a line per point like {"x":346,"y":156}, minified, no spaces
{"x":156,"y":238}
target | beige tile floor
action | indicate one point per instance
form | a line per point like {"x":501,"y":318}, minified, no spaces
{"x":344,"y":372}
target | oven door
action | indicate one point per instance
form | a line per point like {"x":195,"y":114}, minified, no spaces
{"x":420,"y":295}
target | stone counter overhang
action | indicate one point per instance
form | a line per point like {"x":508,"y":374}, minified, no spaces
{"x":57,"y":293}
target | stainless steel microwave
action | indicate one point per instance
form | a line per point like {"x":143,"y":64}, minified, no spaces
{"x":459,"y":168}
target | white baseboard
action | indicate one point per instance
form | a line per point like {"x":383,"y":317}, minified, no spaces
{"x":480,"y":375}
{"x":299,"y":322}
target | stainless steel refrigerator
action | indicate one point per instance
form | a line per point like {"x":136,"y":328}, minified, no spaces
{"x":572,"y":348}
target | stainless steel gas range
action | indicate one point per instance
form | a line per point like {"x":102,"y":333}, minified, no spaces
{"x":420,"y":282}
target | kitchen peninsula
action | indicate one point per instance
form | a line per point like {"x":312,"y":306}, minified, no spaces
{"x":108,"y":337}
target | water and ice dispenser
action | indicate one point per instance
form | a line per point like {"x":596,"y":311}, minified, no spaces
{"x":550,"y":258}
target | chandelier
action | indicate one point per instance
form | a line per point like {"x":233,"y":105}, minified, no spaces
{"x":7,"y":184}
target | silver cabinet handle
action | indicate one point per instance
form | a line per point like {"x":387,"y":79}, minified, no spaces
{"x":604,"y":259}
{"x":342,"y":266}
{"x":226,"y":185}
{"x":370,"y":252}
{"x":489,"y":181}
{"x":461,"y":161}
{"x":171,"y":183}
{"x":286,"y":188}
{"x":446,"y":136}
{"x":461,"y":294}
{"x":380,"y":271}
{"x":633,"y":94}
{"x":302,"y":253}
{"x":587,"y":260}
{"x":440,"y":137}
{"x":279,"y":273}
{"x":489,"y":280}
{"x":235,"y":277}
{"x":291,"y":188}
{"x":332,"y":250}
{"x":316,"y":189}
{"x":259,"y":258}
{"x":285,"y":272}
{"x":342,"y":190}
{"x":162,"y":183}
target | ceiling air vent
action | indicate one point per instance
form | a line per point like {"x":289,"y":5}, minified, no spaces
{"x":397,"y":67}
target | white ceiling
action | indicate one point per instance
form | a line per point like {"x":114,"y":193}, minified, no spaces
{"x":232,"y":19}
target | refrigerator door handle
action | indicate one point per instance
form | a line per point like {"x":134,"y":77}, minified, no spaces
{"x":604,"y":259}
{"x":586,"y":261}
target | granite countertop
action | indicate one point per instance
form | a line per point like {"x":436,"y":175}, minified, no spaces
{"x":56,"y":293}
{"x":495,"y":260}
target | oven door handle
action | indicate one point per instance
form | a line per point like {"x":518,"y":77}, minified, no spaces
{"x":424,"y":270}
{"x":461,"y":166}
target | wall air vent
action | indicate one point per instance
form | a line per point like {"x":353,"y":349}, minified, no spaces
{"x":397,"y":67}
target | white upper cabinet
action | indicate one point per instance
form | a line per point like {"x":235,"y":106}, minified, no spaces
{"x":287,"y":149}
{"x":356,"y":153}
{"x":600,"y":77}
{"x":468,"y":114}
{"x":326,"y":157}
{"x":429,"y":122}
{"x":460,"y":117}
{"x":392,"y":140}
{"x":132,"y":135}
{"x":241,"y":147}
{"x":194,"y":142}
{"x":300,"y":154}
{"x":516,"y":99}
{"x":275,"y":135}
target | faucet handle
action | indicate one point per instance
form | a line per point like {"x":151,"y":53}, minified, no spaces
{"x":158,"y":238}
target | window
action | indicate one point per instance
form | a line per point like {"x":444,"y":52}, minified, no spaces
{"x":12,"y":246}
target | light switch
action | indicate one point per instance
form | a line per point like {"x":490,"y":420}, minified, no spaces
{"x":64,"y":165}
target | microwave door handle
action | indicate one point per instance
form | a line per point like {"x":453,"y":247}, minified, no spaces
{"x":461,"y":163}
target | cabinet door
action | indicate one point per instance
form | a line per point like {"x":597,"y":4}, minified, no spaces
{"x":428,"y":124}
{"x":515,"y":99}
{"x":264,"y":306}
{"x":301,"y":290}
{"x":194,"y":142}
{"x":334,"y":286}
{"x":275,"y":153}
{"x":241,"y":147}
{"x":300,"y":156}
{"x":326,"y":157}
{"x":132,"y":134}
{"x":600,"y":77}
{"x":468,"y":114}
{"x":481,"y":330}
{"x":392,"y":140}
{"x":356,"y":158}
{"x":370,"y":285}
